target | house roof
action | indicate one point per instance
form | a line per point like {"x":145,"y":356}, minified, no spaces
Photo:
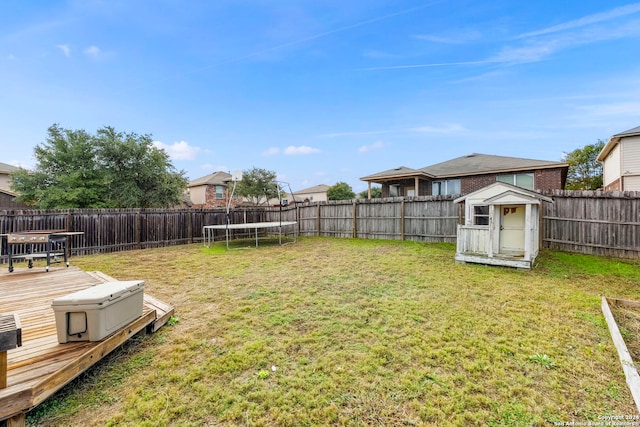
{"x":216,"y":178}
{"x":7,"y":169}
{"x":399,"y":172}
{"x":475,"y":164}
{"x":615,"y":139}
{"x":320,"y":188}
{"x":471,"y":164}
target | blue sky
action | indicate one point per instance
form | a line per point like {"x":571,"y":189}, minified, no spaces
{"x":321,"y":91}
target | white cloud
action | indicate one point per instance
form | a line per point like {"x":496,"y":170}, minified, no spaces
{"x":371,"y":147}
{"x":272,"y":151}
{"x":586,"y":20}
{"x":301,"y":150}
{"x":180,"y":150}
{"x":65,"y":48}
{"x":93,"y":52}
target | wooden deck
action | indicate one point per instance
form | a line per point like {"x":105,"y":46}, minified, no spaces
{"x":42,"y":366}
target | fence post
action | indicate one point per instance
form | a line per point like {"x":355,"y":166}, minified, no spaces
{"x":190,"y":225}
{"x":402,"y":220}
{"x":318,"y":221}
{"x":355,"y":220}
{"x":138,"y":230}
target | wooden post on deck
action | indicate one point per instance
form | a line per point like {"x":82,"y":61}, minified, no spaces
{"x":10,"y":338}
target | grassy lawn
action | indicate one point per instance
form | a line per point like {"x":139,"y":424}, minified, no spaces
{"x":357,"y":332}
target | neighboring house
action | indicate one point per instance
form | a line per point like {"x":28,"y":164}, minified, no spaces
{"x":469,"y":173}
{"x":5,"y":176}
{"x":7,"y":197}
{"x":211,"y":191}
{"x":621,"y":161}
{"x":316,"y":193}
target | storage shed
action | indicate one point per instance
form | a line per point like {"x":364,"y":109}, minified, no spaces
{"x":501,"y":226}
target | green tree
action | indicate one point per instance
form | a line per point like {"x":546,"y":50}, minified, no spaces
{"x":585,"y":172}
{"x":340,"y":191}
{"x":109,"y":170}
{"x":376,"y":193}
{"x":258,"y":185}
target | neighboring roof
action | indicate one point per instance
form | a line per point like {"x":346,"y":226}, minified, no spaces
{"x":475,"y":164}
{"x":321,"y":188}
{"x":615,"y":139}
{"x":216,"y":178}
{"x":5,"y":168}
{"x":471,"y":164}
{"x":399,"y":172}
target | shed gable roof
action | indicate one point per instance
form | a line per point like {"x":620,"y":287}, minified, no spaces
{"x":498,"y":189}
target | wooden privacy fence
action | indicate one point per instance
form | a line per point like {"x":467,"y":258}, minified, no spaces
{"x":593,"y":222}
{"x":603,"y":223}
{"x":425,"y":219}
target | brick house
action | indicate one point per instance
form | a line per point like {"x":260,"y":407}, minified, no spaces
{"x":211,"y":191}
{"x":620,"y":159}
{"x":466,"y":174}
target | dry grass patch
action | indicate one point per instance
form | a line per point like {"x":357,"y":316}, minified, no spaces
{"x":353,"y":332}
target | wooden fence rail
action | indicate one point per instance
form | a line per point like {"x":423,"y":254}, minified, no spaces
{"x":602,"y":223}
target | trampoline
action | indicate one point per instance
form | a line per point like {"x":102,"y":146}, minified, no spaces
{"x":208,"y":231}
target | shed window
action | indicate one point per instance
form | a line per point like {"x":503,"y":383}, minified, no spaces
{"x":523,"y":180}
{"x":481,"y":215}
{"x":449,"y":186}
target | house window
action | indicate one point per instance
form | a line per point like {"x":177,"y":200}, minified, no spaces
{"x":481,"y":215}
{"x":410,"y":192}
{"x":394,"y":190}
{"x":523,"y":180}
{"x":219,"y":192}
{"x":449,"y":186}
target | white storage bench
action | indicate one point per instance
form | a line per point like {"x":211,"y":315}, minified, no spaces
{"x":93,"y":313}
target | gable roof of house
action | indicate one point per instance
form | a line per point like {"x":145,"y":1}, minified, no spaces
{"x":471,"y":164}
{"x":216,"y":178}
{"x":399,"y":172}
{"x":476,"y":164}
{"x":7,"y":169}
{"x":320,"y":188}
{"x":615,"y":139}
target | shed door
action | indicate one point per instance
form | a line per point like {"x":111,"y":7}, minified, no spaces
{"x":512,"y":229}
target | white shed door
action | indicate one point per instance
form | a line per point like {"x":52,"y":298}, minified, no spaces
{"x":512,"y":229}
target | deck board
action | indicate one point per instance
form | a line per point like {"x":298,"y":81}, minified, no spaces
{"x":42,"y":365}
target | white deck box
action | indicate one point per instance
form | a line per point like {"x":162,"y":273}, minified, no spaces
{"x":93,"y":313}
